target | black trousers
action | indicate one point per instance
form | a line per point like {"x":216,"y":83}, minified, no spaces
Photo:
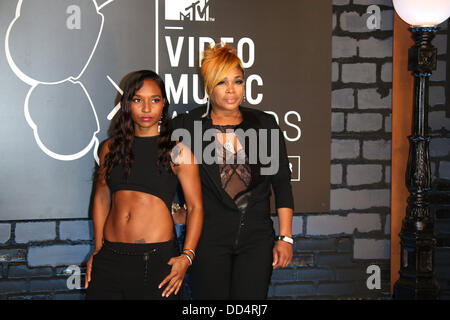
{"x":238,"y":270}
{"x":122,"y":271}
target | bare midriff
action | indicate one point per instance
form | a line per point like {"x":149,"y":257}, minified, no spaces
{"x":138,"y":217}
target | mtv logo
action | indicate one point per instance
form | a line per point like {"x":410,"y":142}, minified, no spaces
{"x":193,"y":10}
{"x":294,"y":166}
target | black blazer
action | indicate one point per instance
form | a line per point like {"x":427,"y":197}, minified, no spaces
{"x":221,"y":214}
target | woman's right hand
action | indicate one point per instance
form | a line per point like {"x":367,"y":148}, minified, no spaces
{"x":89,"y":269}
{"x":175,"y":279}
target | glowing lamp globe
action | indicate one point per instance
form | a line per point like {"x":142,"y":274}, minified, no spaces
{"x":422,"y":13}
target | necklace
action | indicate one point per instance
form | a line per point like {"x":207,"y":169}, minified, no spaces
{"x":228,"y":145}
{"x":235,"y":117}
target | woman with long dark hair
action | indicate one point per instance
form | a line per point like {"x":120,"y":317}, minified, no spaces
{"x":136,"y":254}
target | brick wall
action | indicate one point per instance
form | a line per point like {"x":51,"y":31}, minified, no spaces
{"x":35,"y":256}
{"x":332,"y":252}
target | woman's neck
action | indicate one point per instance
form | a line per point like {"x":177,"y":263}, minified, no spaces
{"x":226,"y":117}
{"x":147,"y":132}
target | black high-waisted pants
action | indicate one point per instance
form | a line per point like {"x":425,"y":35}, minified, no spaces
{"x":235,"y":268}
{"x":131,"y":271}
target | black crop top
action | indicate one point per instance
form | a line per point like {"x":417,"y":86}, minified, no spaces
{"x":144,"y":174}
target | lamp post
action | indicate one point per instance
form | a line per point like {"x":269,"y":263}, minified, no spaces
{"x":417,"y":280}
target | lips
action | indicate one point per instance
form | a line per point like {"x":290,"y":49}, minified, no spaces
{"x":231,"y":100}
{"x":146,"y":118}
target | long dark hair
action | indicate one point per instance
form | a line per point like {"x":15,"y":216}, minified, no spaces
{"x":122,"y":134}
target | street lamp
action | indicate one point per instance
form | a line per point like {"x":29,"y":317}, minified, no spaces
{"x":417,"y":279}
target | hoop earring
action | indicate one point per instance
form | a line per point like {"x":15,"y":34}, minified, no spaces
{"x":207,"y":109}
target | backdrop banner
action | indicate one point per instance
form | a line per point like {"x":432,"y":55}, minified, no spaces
{"x":62,"y":63}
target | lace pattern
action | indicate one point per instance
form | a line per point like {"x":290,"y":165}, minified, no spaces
{"x":235,"y":173}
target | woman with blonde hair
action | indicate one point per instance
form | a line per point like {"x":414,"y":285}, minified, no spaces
{"x":237,"y":249}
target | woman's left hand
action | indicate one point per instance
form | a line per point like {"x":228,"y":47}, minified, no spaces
{"x":282,"y":254}
{"x":175,"y":279}
{"x":179,"y":216}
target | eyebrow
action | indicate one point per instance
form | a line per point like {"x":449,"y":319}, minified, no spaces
{"x":238,"y":76}
{"x":153,"y":96}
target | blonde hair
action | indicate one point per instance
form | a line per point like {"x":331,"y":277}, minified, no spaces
{"x":217,"y":62}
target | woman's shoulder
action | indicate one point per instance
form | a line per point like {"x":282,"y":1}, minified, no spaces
{"x":256,"y":112}
{"x":263,"y":118}
{"x":181,"y":154}
{"x":106,"y":143}
{"x":105,"y":146}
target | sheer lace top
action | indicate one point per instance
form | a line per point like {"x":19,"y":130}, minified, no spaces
{"x":235,"y":173}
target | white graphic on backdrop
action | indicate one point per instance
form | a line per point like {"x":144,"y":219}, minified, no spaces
{"x":117,"y":107}
{"x":35,"y":81}
{"x":192,"y":10}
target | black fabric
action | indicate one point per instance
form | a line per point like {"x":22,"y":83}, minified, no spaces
{"x":235,"y":172}
{"x":128,"y":271}
{"x":145,"y":175}
{"x":238,"y":270}
{"x":237,"y":242}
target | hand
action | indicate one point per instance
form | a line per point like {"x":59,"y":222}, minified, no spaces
{"x":89,"y":269}
{"x":179,"y":216}
{"x":179,"y":265}
{"x":282,"y":254}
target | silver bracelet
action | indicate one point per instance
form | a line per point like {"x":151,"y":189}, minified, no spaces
{"x":190,"y":250}
{"x":187,"y":256}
